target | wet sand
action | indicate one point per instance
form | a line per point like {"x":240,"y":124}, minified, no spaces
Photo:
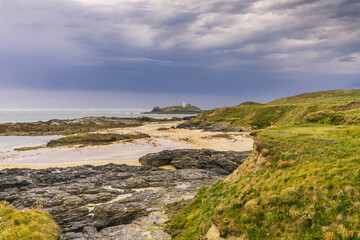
{"x":127,"y":152}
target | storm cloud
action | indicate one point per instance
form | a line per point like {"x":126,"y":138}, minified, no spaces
{"x":235,"y":50}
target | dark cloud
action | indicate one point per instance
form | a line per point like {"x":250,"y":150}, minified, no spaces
{"x":209,"y":47}
{"x":348,"y":59}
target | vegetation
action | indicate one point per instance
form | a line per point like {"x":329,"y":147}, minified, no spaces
{"x":28,"y":129}
{"x":328,"y":107}
{"x":28,"y":224}
{"x":188,"y":109}
{"x":94,"y":139}
{"x":301,"y":182}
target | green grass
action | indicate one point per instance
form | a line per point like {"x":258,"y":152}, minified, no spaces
{"x":302,"y":182}
{"x":322,"y":97}
{"x":28,"y":224}
{"x":181,"y":108}
{"x":331,"y":107}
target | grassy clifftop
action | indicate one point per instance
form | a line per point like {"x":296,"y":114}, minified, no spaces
{"x":322,"y":97}
{"x":301,"y":182}
{"x":329,"y":107}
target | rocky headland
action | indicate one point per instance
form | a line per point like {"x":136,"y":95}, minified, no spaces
{"x":117,"y":201}
{"x":188,"y":109}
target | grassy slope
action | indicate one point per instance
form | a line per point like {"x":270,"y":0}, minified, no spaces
{"x":302,"y":182}
{"x":333,"y":107}
{"x":26,"y":225}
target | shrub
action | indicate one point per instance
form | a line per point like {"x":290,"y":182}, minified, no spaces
{"x":28,"y":224}
{"x":289,"y":196}
{"x":326,"y":117}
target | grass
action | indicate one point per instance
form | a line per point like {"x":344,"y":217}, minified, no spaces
{"x":188,"y":107}
{"x":301,"y":182}
{"x":331,"y":107}
{"x":94,"y":139}
{"x":28,"y":224}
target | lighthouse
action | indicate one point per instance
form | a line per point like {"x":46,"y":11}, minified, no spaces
{"x":184,"y":104}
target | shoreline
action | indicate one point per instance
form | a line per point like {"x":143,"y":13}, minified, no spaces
{"x":128,"y":152}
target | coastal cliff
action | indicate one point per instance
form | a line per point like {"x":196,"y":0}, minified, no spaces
{"x":302,"y":180}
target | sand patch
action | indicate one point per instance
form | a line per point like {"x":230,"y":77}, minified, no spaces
{"x":129,"y":152}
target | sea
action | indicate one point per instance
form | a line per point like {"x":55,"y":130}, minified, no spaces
{"x":8,"y":143}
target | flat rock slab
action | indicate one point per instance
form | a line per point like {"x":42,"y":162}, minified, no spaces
{"x":104,"y":202}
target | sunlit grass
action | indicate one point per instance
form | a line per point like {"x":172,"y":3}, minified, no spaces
{"x":302,"y":182}
{"x":33,"y":224}
{"x":315,"y":196}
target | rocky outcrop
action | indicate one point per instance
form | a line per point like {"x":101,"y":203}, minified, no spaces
{"x":71,"y":126}
{"x":220,"y":162}
{"x":108,"y":202}
{"x":91,"y":139}
{"x":188,"y":109}
{"x":213,"y":126}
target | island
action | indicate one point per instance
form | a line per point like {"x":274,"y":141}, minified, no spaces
{"x":180,"y":109}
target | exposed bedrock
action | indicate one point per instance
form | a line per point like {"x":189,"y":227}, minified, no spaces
{"x":213,"y":126}
{"x":220,"y":162}
{"x":112,"y":201}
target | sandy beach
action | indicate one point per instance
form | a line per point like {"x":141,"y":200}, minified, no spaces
{"x":126,"y":152}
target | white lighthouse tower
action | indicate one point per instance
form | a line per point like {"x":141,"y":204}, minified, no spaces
{"x":184,"y":103}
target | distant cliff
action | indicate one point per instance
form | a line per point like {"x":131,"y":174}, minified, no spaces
{"x":188,"y":109}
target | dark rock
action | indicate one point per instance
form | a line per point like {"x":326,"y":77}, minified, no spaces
{"x":104,"y":202}
{"x":157,"y":110}
{"x":213,"y":126}
{"x":71,"y":126}
{"x":157,"y":159}
{"x":188,"y":109}
{"x":91,"y":233}
{"x":222,"y":163}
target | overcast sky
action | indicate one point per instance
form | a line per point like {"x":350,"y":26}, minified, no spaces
{"x":145,"y":53}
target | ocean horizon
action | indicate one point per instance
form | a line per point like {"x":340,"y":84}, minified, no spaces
{"x":34,"y":115}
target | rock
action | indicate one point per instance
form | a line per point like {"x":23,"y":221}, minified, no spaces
{"x":188,"y":109}
{"x":104,"y":202}
{"x":136,"y":183}
{"x":91,"y":233}
{"x":71,"y":126}
{"x":14,"y":182}
{"x":157,"y":159}
{"x":213,"y":126}
{"x":142,"y":228}
{"x":222,"y":163}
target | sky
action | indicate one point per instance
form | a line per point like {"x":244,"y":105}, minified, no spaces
{"x":145,"y":53}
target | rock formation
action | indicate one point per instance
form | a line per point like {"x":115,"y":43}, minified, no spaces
{"x":220,"y":162}
{"x":188,"y":109}
{"x":116,"y":201}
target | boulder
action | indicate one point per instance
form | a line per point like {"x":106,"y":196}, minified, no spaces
{"x":220,"y":162}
